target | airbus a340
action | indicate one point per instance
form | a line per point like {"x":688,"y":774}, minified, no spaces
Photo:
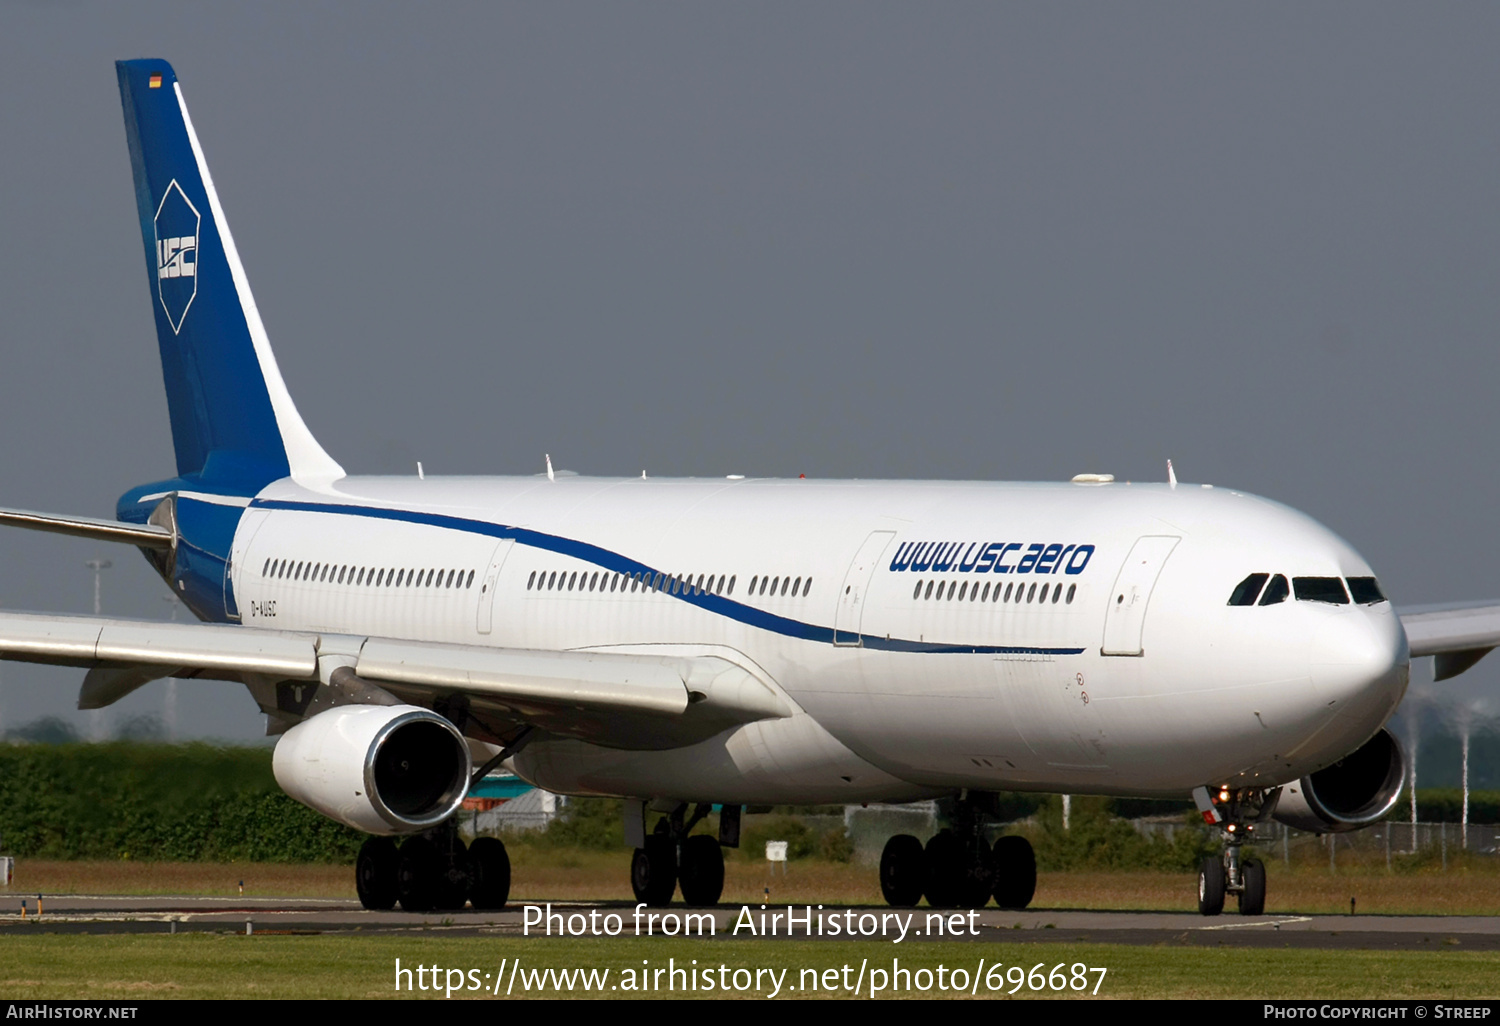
{"x":696,"y":644}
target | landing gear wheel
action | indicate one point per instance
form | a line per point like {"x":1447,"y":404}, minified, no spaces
{"x":702,"y":870}
{"x":417,"y":873}
{"x":489,"y":874}
{"x":943,"y":865}
{"x":375,"y":873}
{"x":1015,"y":872}
{"x":653,"y":871}
{"x":901,"y":871}
{"x":978,"y":879}
{"x":1211,"y":886}
{"x":450,"y":888}
{"x":1253,"y":897}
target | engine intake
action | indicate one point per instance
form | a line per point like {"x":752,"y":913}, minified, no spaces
{"x":1351,"y":794}
{"x":392,"y":769}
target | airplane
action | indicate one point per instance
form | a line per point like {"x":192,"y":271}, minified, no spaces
{"x":688,"y":645}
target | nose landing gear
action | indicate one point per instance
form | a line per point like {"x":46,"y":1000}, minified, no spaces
{"x":1235,"y":812}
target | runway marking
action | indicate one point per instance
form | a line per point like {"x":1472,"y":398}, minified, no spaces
{"x":1266,"y":922}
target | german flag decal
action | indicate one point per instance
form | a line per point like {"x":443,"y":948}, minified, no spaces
{"x":155,"y":81}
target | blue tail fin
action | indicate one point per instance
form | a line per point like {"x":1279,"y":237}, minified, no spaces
{"x":233,"y":421}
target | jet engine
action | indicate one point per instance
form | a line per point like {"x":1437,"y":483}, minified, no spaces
{"x":1352,"y":793}
{"x":383,"y":769}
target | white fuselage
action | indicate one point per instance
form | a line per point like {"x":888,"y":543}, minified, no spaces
{"x":898,"y":693}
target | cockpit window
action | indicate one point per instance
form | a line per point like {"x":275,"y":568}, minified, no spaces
{"x":1366,"y":590}
{"x":1248,"y":590}
{"x":1320,"y":589}
{"x":1276,"y":591}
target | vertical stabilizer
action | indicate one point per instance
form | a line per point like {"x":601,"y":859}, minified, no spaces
{"x":233,"y":422}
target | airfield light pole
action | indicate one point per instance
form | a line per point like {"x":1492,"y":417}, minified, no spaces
{"x":96,"y":718}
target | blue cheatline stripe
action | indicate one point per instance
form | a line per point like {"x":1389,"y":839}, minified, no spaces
{"x":613,"y":561}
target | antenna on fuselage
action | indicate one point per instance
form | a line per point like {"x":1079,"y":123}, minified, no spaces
{"x":1171,"y":475}
{"x":550,"y":476}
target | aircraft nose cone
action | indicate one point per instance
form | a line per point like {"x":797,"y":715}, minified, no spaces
{"x":1360,"y":656}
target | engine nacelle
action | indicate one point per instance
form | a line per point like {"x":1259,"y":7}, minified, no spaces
{"x":383,"y":769}
{"x":1352,"y":793}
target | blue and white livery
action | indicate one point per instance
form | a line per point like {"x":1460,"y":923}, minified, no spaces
{"x":691,"y":645}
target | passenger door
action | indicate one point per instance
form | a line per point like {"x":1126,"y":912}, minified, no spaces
{"x":1125,"y":618}
{"x":856,"y":587}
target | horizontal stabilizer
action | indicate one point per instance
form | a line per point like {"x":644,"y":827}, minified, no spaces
{"x":148,"y":536}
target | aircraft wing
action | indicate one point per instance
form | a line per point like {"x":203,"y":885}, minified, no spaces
{"x":1458,"y":635}
{"x":612,"y":699}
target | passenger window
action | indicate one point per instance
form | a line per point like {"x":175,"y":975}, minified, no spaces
{"x":1031,"y":594}
{"x":986,"y":596}
{"x":1056,"y":593}
{"x":806,"y":587}
{"x":952,"y":586}
{"x":786,"y":582}
{"x":1071,"y":589}
{"x":1320,"y":589}
{"x":752,"y":584}
{"x":1275,"y":592}
{"x":963,"y":591}
{"x":470,"y":582}
{"x":1247,"y":591}
{"x":1366,"y":590}
{"x":928,"y":593}
{"x":731,"y":584}
{"x":531,"y":580}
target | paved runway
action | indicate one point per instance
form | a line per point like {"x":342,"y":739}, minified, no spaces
{"x":96,"y":914}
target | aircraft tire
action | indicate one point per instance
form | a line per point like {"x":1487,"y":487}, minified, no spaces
{"x":1253,"y":898}
{"x":417,"y":874}
{"x":653,"y":871}
{"x":1015,"y":872}
{"x":901,"y":871}
{"x":943,"y":865}
{"x":701,"y":874}
{"x":450,"y":888}
{"x":375,"y":873}
{"x":489,"y":874}
{"x":978,"y":880}
{"x":1211,"y":886}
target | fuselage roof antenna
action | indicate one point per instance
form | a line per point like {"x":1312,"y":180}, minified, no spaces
{"x":1171,"y":475}
{"x":550,"y":476}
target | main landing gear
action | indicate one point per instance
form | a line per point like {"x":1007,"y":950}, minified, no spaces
{"x":958,"y":868}
{"x":433,"y":872}
{"x":671,"y":857}
{"x":1235,"y":812}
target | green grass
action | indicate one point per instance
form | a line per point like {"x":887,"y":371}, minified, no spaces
{"x":43,"y":966}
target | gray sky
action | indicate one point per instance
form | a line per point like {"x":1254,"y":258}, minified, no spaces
{"x":848,"y":240}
